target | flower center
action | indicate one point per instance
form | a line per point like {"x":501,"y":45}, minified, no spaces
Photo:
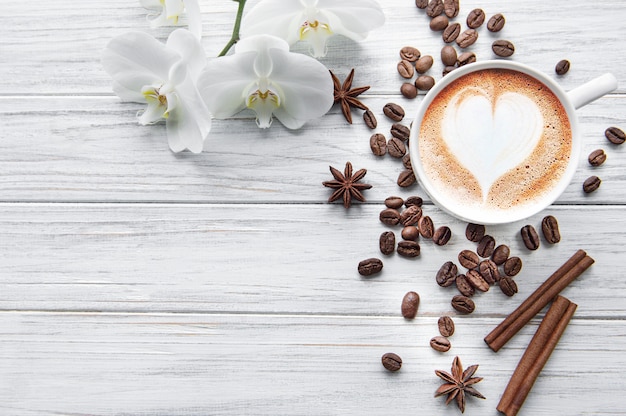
{"x":263,"y":103}
{"x":161,"y":100}
{"x":316,"y":33}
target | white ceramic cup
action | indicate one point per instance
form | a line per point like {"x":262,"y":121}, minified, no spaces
{"x":570,"y":101}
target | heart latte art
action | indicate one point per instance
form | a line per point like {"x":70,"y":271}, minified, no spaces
{"x":495,"y":140}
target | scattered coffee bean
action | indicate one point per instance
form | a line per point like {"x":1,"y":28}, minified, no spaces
{"x":434,"y":8}
{"x":424,"y":64}
{"x":396,"y":147}
{"x":508,"y":286}
{"x":421,"y":4}
{"x":451,"y":8}
{"x":615,"y":135}
{"x":467,"y":38}
{"x":562,"y":67}
{"x":410,"y":232}
{"x":410,"y":304}
{"x":474,"y":232}
{"x":424,"y":82}
{"x":408,"y":248}
{"x":477,"y":281}
{"x":409,"y":53}
{"x":442,"y":235}
{"x":408,"y":90}
{"x":369,"y":267}
{"x":496,"y":23}
{"x":464,"y":286}
{"x":439,"y":23}
{"x":447,"y":70}
{"x":426,"y":227}
{"x":393,"y":111}
{"x":451,"y":33}
{"x":446,"y":326}
{"x":489,"y":271}
{"x":406,"y":162}
{"x":591,"y":184}
{"x":512,"y":266}
{"x":406,"y":178}
{"x":378,"y":144}
{"x":468,"y":259}
{"x":391,"y":361}
{"x":370,"y":119}
{"x":448,"y":55}
{"x":411,"y":215}
{"x":387,"y":242}
{"x":394,"y":202}
{"x":597,"y":157}
{"x":413,"y":200}
{"x":463,"y":304}
{"x":389,"y":216}
{"x":466,"y":58}
{"x":400,"y":131}
{"x":446,"y":275}
{"x":475,"y":18}
{"x":440,"y":343}
{"x":550,"y":228}
{"x":500,"y":254}
{"x":406,"y":69}
{"x":503,"y":48}
{"x":486,"y":245}
{"x":530,"y":237}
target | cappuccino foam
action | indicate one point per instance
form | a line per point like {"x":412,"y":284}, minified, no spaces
{"x":495,"y":140}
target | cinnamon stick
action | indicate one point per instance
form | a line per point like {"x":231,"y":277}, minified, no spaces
{"x":536,"y":355}
{"x":566,"y":274}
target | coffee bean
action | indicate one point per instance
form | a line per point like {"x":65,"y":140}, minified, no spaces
{"x":508,"y":286}
{"x":411,"y":215}
{"x":410,"y":303}
{"x":369,"y":267}
{"x":370,"y":119}
{"x":448,"y":55}
{"x":474,"y":232}
{"x":408,"y":90}
{"x":426,"y":227}
{"x":410,"y":232}
{"x":451,"y":33}
{"x":475,"y":18}
{"x":597,"y":157}
{"x":468,"y":259}
{"x":409,"y":53}
{"x":387,"y":242}
{"x":463,"y":304}
{"x":489,"y":271}
{"x":447,"y":70}
{"x":477,"y":281}
{"x":530,"y":237}
{"x":439,"y":23}
{"x":434,"y":8}
{"x":615,"y":135}
{"x":406,"y":162}
{"x":550,"y":228}
{"x":591,"y":184}
{"x":393,"y":111}
{"x":562,"y":67}
{"x":396,"y":147}
{"x":400,"y":131}
{"x":451,"y":8}
{"x":446,"y":326}
{"x":406,"y":178}
{"x":440,"y":343}
{"x":424,"y":64}
{"x":500,"y":254}
{"x":467,"y":38}
{"x":496,"y":23}
{"x":442,"y":235}
{"x":413,"y":200}
{"x":391,"y":361}
{"x":406,"y":69}
{"x":503,"y":48}
{"x":466,"y":58}
{"x":408,"y":248}
{"x":446,"y":275}
{"x":486,"y":245}
{"x":464,"y":286}
{"x":421,"y":4}
{"x":512,"y":266}
{"x":389,"y":216}
{"x":394,"y":202}
{"x":378,"y":144}
{"x":424,"y":82}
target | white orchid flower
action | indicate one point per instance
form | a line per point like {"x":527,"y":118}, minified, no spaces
{"x":167,"y":12}
{"x":164,"y":76}
{"x":264,"y":76}
{"x":313,"y":21}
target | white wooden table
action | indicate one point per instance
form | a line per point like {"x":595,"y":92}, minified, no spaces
{"x":134,"y":281}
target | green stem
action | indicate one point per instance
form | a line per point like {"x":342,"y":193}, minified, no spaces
{"x":235,"y":36}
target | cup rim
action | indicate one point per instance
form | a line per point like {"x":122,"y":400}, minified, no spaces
{"x":488,"y":217}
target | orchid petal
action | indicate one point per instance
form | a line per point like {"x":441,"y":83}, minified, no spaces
{"x":188,"y":125}
{"x":261,"y":45}
{"x":352,"y":18}
{"x":153,"y":113}
{"x":194,"y":17}
{"x":281,"y":18}
{"x":190,"y":50}
{"x":173,"y":9}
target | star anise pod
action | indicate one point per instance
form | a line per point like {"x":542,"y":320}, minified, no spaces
{"x":346,"y":95}
{"x":346,"y":185}
{"x":459,"y":383}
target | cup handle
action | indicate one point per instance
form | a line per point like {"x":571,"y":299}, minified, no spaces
{"x":592,"y":90}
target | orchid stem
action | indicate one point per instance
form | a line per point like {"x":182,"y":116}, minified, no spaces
{"x":235,"y":36}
